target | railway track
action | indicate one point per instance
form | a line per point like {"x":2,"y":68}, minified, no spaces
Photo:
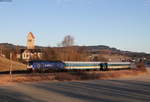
{"x":52,"y":72}
{"x":15,"y":72}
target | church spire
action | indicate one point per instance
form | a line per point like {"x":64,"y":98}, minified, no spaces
{"x":30,"y":41}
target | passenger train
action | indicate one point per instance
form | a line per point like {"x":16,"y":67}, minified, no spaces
{"x":75,"y":65}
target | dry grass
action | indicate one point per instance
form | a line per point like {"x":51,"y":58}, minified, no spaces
{"x":66,"y":76}
{"x":5,"y":65}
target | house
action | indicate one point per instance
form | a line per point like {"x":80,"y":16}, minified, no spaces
{"x":31,"y":54}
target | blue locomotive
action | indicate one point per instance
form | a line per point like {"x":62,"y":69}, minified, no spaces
{"x":76,"y":65}
{"x":45,"y":65}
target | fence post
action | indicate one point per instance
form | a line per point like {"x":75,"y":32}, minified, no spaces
{"x":10,"y":69}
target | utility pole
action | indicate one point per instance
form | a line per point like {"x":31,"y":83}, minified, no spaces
{"x":1,"y":53}
{"x":10,"y":69}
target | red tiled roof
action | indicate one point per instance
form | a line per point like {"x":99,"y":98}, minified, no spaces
{"x":32,"y":35}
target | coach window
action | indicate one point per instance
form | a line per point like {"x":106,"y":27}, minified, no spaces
{"x":27,"y":56}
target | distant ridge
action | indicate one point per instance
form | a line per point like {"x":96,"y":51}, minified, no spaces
{"x":8,"y":45}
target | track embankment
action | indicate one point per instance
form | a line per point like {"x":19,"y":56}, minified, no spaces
{"x":73,"y":76}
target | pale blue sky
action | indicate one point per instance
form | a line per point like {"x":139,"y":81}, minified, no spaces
{"x":124,"y":24}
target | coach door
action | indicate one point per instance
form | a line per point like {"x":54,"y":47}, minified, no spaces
{"x":104,"y":66}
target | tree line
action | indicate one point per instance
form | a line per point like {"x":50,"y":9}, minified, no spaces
{"x":65,"y":51}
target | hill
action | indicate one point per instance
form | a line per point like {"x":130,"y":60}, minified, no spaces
{"x":102,"y":49}
{"x":5,"y":65}
{"x":106,"y":51}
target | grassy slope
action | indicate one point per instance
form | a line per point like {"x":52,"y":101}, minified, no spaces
{"x":5,"y":65}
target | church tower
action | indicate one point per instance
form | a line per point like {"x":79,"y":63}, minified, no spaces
{"x":30,"y":41}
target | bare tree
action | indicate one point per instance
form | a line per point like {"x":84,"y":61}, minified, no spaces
{"x":68,"y":41}
{"x":67,"y":52}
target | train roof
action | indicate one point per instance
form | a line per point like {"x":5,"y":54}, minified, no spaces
{"x":79,"y":62}
{"x":43,"y":61}
{"x":119,"y":62}
{"x":74,"y":62}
